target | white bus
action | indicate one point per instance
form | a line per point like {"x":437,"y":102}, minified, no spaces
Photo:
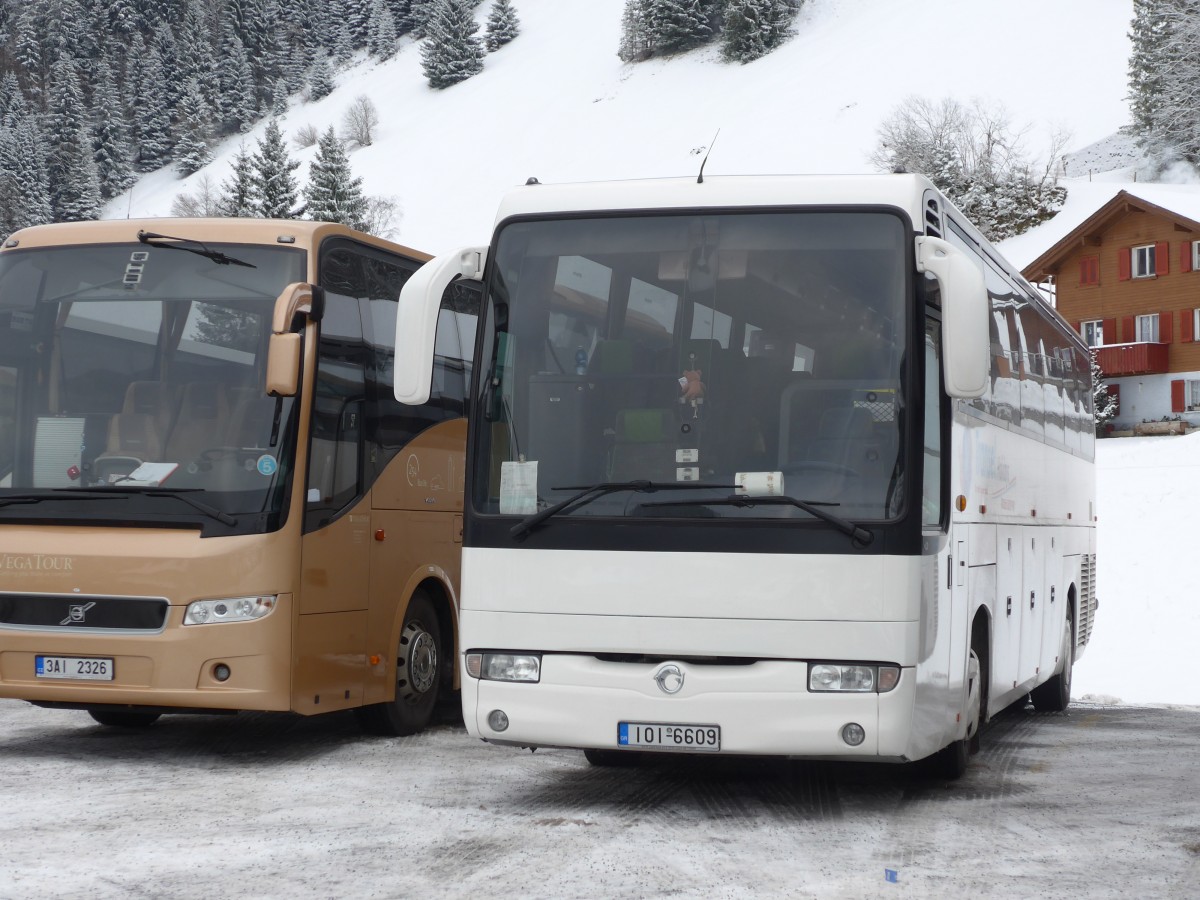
{"x":763,"y":465}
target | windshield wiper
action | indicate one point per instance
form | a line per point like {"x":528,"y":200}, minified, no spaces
{"x":179,"y":494}
{"x":588,"y":494}
{"x":861,"y":536}
{"x":151,"y":238}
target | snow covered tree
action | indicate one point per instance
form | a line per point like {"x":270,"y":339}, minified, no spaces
{"x":502,"y":25}
{"x":320,"y":78}
{"x":192,"y":133}
{"x":275,"y":188}
{"x":1164,"y":72}
{"x":1103,"y":402}
{"x":452,"y":51}
{"x":333,"y":193}
{"x":381,"y":34}
{"x":238,"y":198}
{"x":360,"y":120}
{"x":974,"y":156}
{"x":677,"y":25}
{"x":279,"y":97}
{"x":237,"y":106}
{"x":636,"y":43}
{"x":203,"y":203}
{"x":151,"y":119}
{"x":753,"y":28}
{"x":110,"y":136}
{"x":24,"y":176}
{"x":74,"y":187}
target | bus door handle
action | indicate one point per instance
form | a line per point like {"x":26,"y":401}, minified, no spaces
{"x":1008,"y":611}
{"x":1051,"y":593}
{"x":1032,"y":594}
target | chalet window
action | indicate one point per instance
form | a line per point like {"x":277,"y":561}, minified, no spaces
{"x":1089,"y":270}
{"x":1143,"y":262}
{"x":1093,"y":332}
{"x":1147,"y":329}
{"x":1195,"y":248}
{"x":1195,"y":324}
{"x":1193,"y":396}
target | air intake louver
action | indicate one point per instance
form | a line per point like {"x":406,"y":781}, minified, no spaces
{"x":933,"y":216}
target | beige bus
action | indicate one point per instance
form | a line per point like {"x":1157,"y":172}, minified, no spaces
{"x":210,"y":499}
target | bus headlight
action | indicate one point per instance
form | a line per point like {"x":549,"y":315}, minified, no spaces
{"x":526,"y":667}
{"x":852,"y":678}
{"x":233,"y":609}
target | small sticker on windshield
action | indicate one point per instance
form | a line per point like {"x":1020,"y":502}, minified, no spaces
{"x":267,"y":464}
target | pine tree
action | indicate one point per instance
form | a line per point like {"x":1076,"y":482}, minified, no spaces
{"x":151,"y":120}
{"x":381,"y":39}
{"x":320,"y":78}
{"x":110,"y":137}
{"x":747,"y":29}
{"x":636,"y":44}
{"x":191,"y":147}
{"x":333,"y":194}
{"x":24,"y":177}
{"x":279,"y":98}
{"x":452,"y":51}
{"x":74,"y":187}
{"x":1104,"y":403}
{"x":502,"y":25}
{"x":237,"y":108}
{"x":358,"y":18}
{"x":677,"y":24}
{"x":238,"y":194}
{"x":276,"y":190}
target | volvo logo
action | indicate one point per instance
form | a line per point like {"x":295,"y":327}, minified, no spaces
{"x":77,"y":612}
{"x":669,"y":678}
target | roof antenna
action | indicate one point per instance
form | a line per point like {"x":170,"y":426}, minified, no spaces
{"x":700,"y":179}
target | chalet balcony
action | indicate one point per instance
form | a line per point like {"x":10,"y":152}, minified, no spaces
{"x":1132,"y":359}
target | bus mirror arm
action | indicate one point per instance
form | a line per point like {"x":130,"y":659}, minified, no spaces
{"x":966,"y":309}
{"x":307,"y":302}
{"x":417,"y":317}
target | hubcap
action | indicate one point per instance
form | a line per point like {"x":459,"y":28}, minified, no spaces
{"x":419,"y":665}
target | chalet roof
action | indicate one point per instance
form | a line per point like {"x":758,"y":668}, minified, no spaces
{"x":1089,"y":232}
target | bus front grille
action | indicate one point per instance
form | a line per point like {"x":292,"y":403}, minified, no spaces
{"x":55,"y":612}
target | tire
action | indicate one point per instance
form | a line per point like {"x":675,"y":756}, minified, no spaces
{"x":951,"y":761}
{"x":123,"y":718}
{"x":1055,"y":694}
{"x":419,"y":671}
{"x":617,"y":759}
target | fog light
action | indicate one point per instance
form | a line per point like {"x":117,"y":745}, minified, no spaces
{"x":498,"y":720}
{"x":853,"y":734}
{"x":221,"y":672}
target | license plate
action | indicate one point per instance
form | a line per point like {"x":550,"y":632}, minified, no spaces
{"x":667,"y":736}
{"x":87,"y":668}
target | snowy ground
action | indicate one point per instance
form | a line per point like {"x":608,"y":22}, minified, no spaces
{"x":1099,"y":802}
{"x":1148,"y":625}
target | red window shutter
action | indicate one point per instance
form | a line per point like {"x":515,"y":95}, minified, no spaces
{"x":1165,"y":322}
{"x":1185,"y":256}
{"x":1162,"y":258}
{"x":1084,"y":270}
{"x":1185,"y":326}
{"x":1109,"y":327}
{"x":1127,"y":334}
{"x":1078,"y":326}
{"x":1177,"y":400}
{"x":1124,"y":264}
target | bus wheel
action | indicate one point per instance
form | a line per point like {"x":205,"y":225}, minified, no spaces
{"x":418,"y":671}
{"x":621,"y":759}
{"x":951,"y":762}
{"x":123,"y":718}
{"x":1055,"y":694}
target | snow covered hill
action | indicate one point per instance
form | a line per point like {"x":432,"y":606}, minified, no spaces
{"x":558,"y":104}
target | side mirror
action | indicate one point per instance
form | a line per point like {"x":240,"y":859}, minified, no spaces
{"x":283,"y":353}
{"x":417,"y":317}
{"x":966,"y":309}
{"x":283,"y":365}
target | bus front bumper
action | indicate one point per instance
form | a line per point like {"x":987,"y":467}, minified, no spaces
{"x":764,"y":708}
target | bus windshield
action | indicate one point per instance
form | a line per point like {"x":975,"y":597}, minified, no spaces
{"x":758,"y":349}
{"x":134,"y":373}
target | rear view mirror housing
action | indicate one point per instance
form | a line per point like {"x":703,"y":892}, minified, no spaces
{"x":303,"y":300}
{"x":966,"y":310}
